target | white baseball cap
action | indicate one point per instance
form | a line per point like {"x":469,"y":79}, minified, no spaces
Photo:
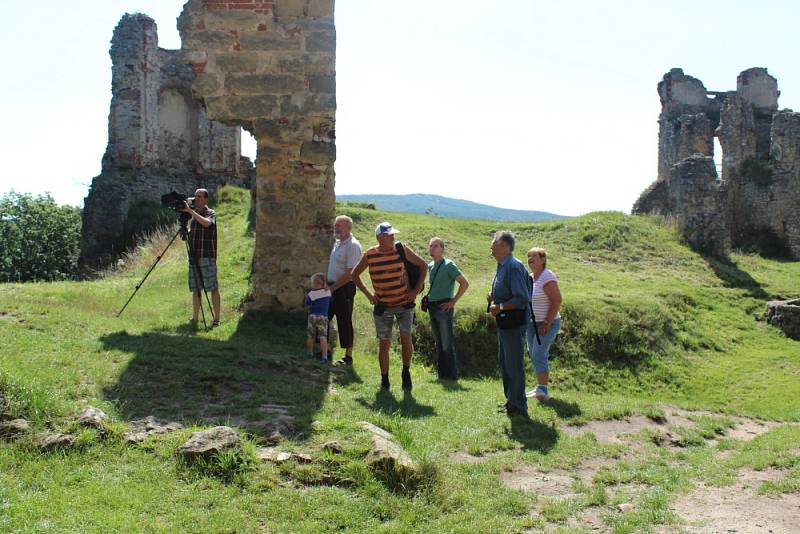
{"x":385,"y":228}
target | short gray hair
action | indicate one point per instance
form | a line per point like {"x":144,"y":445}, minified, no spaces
{"x":345,"y":218}
{"x":507,"y":237}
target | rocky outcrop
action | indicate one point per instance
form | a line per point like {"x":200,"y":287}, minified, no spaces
{"x":13,"y":428}
{"x":785,"y":314}
{"x":207,"y":443}
{"x":141,"y":429}
{"x":387,"y":459}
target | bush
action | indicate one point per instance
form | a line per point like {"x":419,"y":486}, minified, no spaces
{"x":39,"y":240}
{"x":620,"y":334}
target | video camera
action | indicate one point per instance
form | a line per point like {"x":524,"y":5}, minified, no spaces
{"x":174,"y":200}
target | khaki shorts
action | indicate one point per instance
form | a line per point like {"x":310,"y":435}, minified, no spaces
{"x":385,"y":322}
{"x":317,"y":327}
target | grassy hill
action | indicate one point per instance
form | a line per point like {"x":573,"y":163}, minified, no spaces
{"x":449,"y":207}
{"x":648,"y":325}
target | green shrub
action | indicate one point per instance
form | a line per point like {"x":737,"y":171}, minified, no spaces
{"x":149,"y":216}
{"x":39,"y":240}
{"x":620,"y":334}
{"x":758,"y":170}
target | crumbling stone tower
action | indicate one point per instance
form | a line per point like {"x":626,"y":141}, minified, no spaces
{"x":269,"y":67}
{"x":757,"y":198}
{"x":159,"y":139}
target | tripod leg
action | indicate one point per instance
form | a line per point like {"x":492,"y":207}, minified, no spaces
{"x":149,"y":271}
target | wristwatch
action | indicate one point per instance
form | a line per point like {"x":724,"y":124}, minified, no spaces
{"x":501,"y":306}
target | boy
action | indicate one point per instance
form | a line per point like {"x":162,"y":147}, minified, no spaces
{"x":317,"y":301}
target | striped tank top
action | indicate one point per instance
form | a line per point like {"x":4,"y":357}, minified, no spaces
{"x":388,"y":274}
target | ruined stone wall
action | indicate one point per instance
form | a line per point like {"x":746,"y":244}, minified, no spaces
{"x":269,"y":66}
{"x":159,"y":139}
{"x":757,"y":196}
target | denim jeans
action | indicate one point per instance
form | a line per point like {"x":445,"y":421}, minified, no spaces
{"x":511,"y":354}
{"x":540,"y":354}
{"x":442,"y":328}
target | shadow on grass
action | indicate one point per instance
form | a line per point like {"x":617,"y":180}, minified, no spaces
{"x":242,"y":381}
{"x":451,"y":385}
{"x":532,"y":434}
{"x":732,"y":276}
{"x":387,"y":403}
{"x":563,"y":409}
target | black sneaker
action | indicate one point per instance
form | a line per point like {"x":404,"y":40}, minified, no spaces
{"x":384,"y":382}
{"x":406,"y":376}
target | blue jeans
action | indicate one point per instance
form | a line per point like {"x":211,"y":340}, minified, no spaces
{"x":540,"y":354}
{"x":442,"y":328}
{"x":511,"y":354}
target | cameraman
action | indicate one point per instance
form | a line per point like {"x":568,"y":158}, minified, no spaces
{"x":203,"y":253}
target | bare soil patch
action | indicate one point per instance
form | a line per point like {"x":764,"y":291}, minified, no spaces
{"x":738,"y":508}
{"x":547,"y":484}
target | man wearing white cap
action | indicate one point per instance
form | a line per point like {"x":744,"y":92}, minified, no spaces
{"x":393,"y":297}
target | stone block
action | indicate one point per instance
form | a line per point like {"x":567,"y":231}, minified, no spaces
{"x":320,"y":8}
{"x":140,"y":429}
{"x":206,"y":84}
{"x":209,"y":40}
{"x":307,"y":63}
{"x":233,"y":19}
{"x":282,"y":131}
{"x":264,"y":83}
{"x":14,"y":428}
{"x":322,"y":84}
{"x":269,"y":41}
{"x":307,"y":103}
{"x":240,"y":61}
{"x":318,"y":153}
{"x":235,"y":109}
{"x":290,"y":8}
{"x":321,"y":42}
{"x":785,"y":314}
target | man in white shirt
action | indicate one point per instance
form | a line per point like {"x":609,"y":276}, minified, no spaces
{"x":345,"y":255}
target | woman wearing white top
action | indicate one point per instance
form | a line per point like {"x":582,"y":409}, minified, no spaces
{"x":546,"y":299}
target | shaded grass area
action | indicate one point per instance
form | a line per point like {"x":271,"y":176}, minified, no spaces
{"x":645,"y":321}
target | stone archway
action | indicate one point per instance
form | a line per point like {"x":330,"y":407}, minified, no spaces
{"x":269,"y":67}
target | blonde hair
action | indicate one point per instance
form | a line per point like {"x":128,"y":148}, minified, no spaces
{"x":317,"y":276}
{"x":542,"y":253}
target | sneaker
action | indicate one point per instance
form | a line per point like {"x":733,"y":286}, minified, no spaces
{"x":324,"y":359}
{"x":384,"y":382}
{"x":346,"y":361}
{"x":310,"y":355}
{"x":406,"y":376}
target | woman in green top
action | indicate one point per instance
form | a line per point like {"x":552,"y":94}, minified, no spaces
{"x":442,"y":276}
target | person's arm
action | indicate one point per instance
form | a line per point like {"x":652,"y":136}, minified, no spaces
{"x":205,"y":222}
{"x":345,"y":278}
{"x":554,"y":295}
{"x":423,"y":272}
{"x":354,"y":256}
{"x":356,"y":276}
{"x":520,"y":294}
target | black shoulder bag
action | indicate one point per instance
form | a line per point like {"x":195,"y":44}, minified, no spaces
{"x":424,"y":303}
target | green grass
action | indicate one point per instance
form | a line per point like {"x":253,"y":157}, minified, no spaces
{"x":646,"y":322}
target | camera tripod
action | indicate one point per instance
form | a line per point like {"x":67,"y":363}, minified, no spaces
{"x":183,"y":232}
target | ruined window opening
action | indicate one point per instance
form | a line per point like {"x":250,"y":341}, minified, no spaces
{"x":717,"y":156}
{"x":249,"y":145}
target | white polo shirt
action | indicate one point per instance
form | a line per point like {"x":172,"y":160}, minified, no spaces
{"x":344,"y":256}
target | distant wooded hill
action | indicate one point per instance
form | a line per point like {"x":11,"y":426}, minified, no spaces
{"x":449,"y":207}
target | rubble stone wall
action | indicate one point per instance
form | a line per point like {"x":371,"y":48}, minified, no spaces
{"x":269,"y":67}
{"x":159,"y":139}
{"x":759,"y":192}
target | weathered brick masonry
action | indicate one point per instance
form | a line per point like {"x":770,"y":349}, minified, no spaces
{"x":269,"y":67}
{"x":159,"y":139}
{"x":758,"y":194}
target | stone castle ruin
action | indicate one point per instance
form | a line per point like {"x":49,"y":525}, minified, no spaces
{"x":756,"y":200}
{"x":267,"y":66}
{"x":159,"y":139}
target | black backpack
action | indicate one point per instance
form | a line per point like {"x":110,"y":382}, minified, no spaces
{"x":412,"y":269}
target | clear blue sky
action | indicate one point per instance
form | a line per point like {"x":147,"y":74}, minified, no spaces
{"x":526,"y":104}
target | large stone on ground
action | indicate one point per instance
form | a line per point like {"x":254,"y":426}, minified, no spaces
{"x":387,"y":459}
{"x":54,"y":441}
{"x":207,"y":443}
{"x":14,"y":428}
{"x":140,"y":429}
{"x":785,"y":314}
{"x":92,"y":417}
